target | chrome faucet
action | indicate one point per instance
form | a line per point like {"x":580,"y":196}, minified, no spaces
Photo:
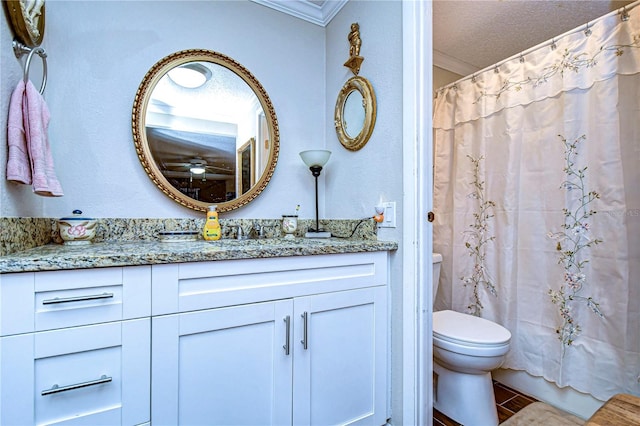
{"x":256,"y":232}
{"x":259,"y":229}
{"x":240,"y":235}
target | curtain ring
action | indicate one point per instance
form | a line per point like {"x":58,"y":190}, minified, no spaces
{"x":624,"y":15}
{"x":40,"y":51}
{"x":553,"y":44}
{"x":587,"y":31}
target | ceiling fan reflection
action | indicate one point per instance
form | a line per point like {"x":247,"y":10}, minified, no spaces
{"x":197,"y":166}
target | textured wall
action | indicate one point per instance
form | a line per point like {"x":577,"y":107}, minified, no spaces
{"x":15,"y":200}
{"x":357,"y":181}
{"x":99,"y":52}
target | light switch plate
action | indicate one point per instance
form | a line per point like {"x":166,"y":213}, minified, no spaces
{"x":389,"y":215}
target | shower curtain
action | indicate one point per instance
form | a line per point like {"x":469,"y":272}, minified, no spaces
{"x":537,"y":202}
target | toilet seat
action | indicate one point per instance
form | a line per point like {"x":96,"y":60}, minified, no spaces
{"x":469,"y":334}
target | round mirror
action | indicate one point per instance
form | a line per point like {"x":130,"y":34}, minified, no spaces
{"x":205,"y":130}
{"x":355,"y":114}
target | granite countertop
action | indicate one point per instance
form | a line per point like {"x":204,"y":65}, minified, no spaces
{"x":53,"y":257}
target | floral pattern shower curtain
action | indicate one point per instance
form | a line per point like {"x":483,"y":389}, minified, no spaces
{"x":537,"y":201}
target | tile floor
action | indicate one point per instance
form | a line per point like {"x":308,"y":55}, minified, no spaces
{"x":508,"y":402}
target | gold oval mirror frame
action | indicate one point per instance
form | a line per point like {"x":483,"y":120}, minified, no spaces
{"x":179,"y":149}
{"x":355,"y":112}
{"x":27,"y":20}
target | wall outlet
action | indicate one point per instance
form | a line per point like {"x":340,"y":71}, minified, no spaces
{"x":389,"y":215}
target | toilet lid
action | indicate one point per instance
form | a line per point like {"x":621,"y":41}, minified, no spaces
{"x":456,"y":326}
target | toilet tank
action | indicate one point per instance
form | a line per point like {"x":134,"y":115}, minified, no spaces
{"x":437,"y":260}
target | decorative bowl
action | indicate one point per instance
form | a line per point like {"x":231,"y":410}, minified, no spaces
{"x":77,"y":229}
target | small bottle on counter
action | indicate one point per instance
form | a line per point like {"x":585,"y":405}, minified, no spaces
{"x":212,"y":230}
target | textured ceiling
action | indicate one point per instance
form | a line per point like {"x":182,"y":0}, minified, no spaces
{"x":469,"y":35}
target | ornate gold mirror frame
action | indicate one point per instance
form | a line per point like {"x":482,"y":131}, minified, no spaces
{"x":27,"y":20}
{"x":159,"y":169}
{"x":365,"y":119}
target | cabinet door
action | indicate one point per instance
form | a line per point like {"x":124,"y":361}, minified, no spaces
{"x":91,"y":375}
{"x":340,"y":358}
{"x":226,"y":366}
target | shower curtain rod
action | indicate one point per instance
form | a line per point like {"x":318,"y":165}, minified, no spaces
{"x":583,"y":27}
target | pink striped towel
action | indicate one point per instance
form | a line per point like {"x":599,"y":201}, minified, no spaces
{"x":32,"y":135}
{"x":18,"y":163}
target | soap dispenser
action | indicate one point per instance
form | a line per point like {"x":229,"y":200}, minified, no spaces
{"x":212,"y":230}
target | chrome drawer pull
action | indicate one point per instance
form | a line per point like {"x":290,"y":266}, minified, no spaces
{"x":56,"y":388}
{"x":77,"y":298}
{"x":305,"y":330}
{"x":287,"y":345}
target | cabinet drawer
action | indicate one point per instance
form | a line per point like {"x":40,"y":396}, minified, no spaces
{"x":97,"y":374}
{"x":57,"y":299}
{"x":202,"y":285}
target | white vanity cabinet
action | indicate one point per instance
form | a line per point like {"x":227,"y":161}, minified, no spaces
{"x":299,"y":340}
{"x":296,"y":340}
{"x":75,"y":347}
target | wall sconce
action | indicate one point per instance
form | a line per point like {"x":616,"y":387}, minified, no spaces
{"x":315,"y":160}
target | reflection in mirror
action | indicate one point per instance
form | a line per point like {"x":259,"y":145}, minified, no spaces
{"x":353,"y":118}
{"x":355,"y":114}
{"x":199,"y":118}
{"x":196,"y":120}
{"x":246,"y":165}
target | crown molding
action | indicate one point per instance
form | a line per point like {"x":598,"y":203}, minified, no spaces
{"x":452,"y":64}
{"x":319,"y":14}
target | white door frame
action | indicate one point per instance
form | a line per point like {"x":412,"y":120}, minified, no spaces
{"x":417,"y":244}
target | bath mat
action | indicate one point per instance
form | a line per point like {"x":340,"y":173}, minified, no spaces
{"x":620,"y":409}
{"x":540,"y":413}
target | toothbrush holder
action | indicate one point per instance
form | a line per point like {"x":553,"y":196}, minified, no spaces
{"x":289,"y":225}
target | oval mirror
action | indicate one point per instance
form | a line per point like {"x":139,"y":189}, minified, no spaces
{"x":355,"y":114}
{"x":353,"y":119}
{"x":205,"y":130}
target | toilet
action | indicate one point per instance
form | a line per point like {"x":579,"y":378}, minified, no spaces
{"x":466,"y":349}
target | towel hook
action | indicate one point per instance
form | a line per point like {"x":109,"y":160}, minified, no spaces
{"x":20,"y":49}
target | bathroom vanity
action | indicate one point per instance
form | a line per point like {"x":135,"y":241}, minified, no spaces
{"x":262,"y":333}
